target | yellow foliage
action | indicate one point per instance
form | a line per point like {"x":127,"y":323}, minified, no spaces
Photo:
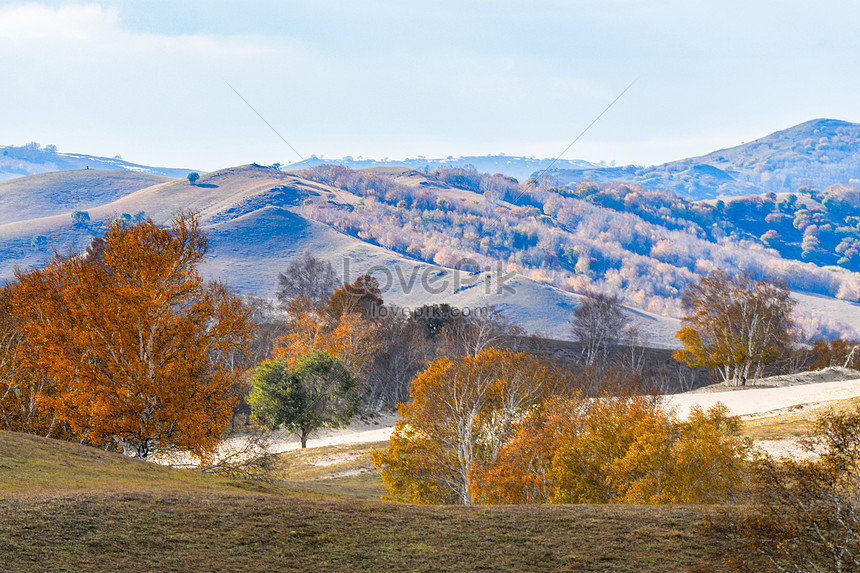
{"x":348,"y":336}
{"x":461,"y":412}
{"x":631,"y":451}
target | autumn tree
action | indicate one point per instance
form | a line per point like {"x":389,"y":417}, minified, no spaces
{"x":134,"y":342}
{"x":361,"y":297}
{"x":318,"y":392}
{"x":461,"y":411}
{"x":629,"y":450}
{"x":803,"y":512}
{"x":598,"y":324}
{"x":521,"y":473}
{"x":836,"y":352}
{"x":339,"y":327}
{"x":23,"y":390}
{"x":735,"y":324}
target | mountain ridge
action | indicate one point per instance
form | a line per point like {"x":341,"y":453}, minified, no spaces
{"x":816,"y":153}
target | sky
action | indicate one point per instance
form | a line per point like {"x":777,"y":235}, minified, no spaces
{"x":149,"y":80}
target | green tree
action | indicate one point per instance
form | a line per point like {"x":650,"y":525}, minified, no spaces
{"x":80,"y":218}
{"x":319,"y":392}
{"x":193,"y":177}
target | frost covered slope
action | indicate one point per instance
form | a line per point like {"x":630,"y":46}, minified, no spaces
{"x":254,"y":219}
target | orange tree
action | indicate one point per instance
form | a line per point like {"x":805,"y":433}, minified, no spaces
{"x":461,"y":414}
{"x":22,"y":389}
{"x":629,"y":450}
{"x":521,"y":473}
{"x":135,"y":343}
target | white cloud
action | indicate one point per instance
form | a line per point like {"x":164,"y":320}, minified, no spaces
{"x":73,"y":22}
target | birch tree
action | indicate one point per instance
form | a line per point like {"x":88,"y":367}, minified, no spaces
{"x":735,"y":324}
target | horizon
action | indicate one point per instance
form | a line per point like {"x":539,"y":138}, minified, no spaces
{"x":147,"y":81}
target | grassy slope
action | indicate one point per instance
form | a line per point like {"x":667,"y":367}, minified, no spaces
{"x":795,"y":424}
{"x":72,"y":508}
{"x":62,"y":192}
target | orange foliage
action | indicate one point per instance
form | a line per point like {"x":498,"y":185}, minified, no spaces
{"x":520,"y":473}
{"x":138,"y":348}
{"x":835,"y":352}
{"x":22,"y":389}
{"x":461,"y":413}
{"x":349,"y":336}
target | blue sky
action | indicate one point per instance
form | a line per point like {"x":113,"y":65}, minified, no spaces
{"x":145,"y":80}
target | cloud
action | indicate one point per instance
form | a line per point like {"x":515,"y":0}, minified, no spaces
{"x":80,"y":22}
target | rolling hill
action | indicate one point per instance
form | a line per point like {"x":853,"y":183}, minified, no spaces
{"x":469,"y":239}
{"x":817,"y":153}
{"x":253,"y":217}
{"x":61,"y":192}
{"x":414,"y":230}
{"x":30,"y":159}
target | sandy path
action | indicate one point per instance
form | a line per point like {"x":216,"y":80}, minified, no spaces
{"x":761,"y":400}
{"x":358,"y":432}
{"x":739,"y":402}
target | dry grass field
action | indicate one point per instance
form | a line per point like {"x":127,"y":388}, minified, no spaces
{"x":72,"y":508}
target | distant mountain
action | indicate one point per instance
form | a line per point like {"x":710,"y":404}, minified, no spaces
{"x":32,"y":158}
{"x":520,"y":168}
{"x":817,"y":153}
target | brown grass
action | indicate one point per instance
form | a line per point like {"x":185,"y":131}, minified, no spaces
{"x":71,"y":508}
{"x":793,"y":424}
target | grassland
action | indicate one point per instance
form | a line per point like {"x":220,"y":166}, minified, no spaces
{"x":72,"y":508}
{"x":794,"y":424}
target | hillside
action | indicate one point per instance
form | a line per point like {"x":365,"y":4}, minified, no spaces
{"x":31,"y":159}
{"x":61,"y":192}
{"x":256,"y":220}
{"x":528,"y":251}
{"x":72,"y":508}
{"x":816,"y":226}
{"x":817,"y":153}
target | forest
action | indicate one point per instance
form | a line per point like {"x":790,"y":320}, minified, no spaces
{"x":647,"y":247}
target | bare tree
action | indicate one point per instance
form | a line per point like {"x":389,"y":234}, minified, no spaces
{"x":804,"y":515}
{"x":307,"y":277}
{"x":482,"y":328}
{"x":598,"y":324}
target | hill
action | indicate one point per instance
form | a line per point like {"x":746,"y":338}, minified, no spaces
{"x":816,"y":226}
{"x":61,"y":192}
{"x":257,"y":221}
{"x":32,"y":158}
{"x":72,"y":508}
{"x":452,"y":236}
{"x":817,"y":153}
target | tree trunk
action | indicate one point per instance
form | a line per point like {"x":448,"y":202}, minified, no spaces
{"x":304,"y":436}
